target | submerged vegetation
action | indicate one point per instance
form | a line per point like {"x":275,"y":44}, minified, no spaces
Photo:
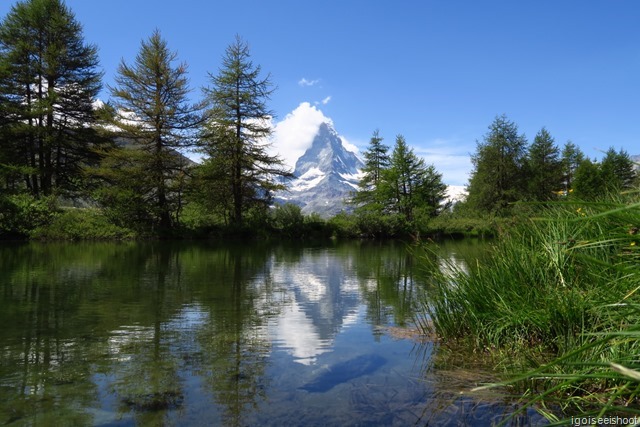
{"x":562,"y":292}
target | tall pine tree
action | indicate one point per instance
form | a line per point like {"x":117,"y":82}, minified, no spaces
{"x":376,"y":161}
{"x":572,"y":156}
{"x":498,"y":176}
{"x":155,"y":119}
{"x":411,"y":184}
{"x":238,"y":125}
{"x":48,"y":83}
{"x":618,"y":170}
{"x":544,"y":167}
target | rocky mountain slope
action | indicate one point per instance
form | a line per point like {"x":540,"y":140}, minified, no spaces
{"x":325,"y":175}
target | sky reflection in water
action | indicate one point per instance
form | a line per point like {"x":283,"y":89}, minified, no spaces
{"x":203,"y":334}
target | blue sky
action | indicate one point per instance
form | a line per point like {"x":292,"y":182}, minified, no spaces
{"x":437,"y":72}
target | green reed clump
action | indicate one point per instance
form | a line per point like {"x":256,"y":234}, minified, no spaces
{"x":567,"y":282}
{"x":532,"y":290}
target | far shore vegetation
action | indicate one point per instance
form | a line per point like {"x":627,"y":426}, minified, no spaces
{"x":561,"y":288}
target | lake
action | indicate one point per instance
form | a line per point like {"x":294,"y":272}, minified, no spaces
{"x":234,"y":334}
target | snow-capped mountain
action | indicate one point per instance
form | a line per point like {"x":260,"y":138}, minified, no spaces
{"x":325,"y":175}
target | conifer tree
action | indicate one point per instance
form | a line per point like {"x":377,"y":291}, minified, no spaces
{"x":154,"y":118}
{"x":498,"y":176}
{"x":588,"y":181}
{"x":411,"y":185}
{"x":544,"y":167}
{"x":572,"y":156}
{"x":618,"y":170}
{"x":376,"y":161}
{"x":48,"y":83}
{"x":238,"y":125}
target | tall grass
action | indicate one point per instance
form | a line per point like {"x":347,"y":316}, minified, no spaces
{"x":567,"y":283}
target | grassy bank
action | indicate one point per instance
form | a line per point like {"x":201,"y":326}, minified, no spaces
{"x":563,"y":293}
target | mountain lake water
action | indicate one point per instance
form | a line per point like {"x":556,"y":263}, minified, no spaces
{"x":233,"y":334}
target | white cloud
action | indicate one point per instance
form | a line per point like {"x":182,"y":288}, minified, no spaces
{"x":349,"y":146}
{"x":326,"y":100}
{"x":450,"y":158}
{"x":304,"y":82}
{"x":294,"y":134}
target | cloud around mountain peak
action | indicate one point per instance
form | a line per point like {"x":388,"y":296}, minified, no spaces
{"x":294,"y":134}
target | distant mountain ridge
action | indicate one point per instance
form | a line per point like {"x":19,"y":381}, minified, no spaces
{"x":325,"y":175}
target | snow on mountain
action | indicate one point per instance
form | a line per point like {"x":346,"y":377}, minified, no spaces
{"x":326,"y":175}
{"x":456,"y":193}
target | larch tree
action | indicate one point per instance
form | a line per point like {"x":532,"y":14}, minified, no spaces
{"x":498,"y":175}
{"x":49,"y":80}
{"x":154,"y":119}
{"x":235,"y":136}
{"x":544,"y":168}
{"x":571,"y":158}
{"x":376,"y":161}
{"x":588,"y":181}
{"x":618,"y":170}
{"x":412,"y":186}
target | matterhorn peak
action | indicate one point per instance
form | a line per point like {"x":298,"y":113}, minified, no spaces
{"x":328,"y":154}
{"x":326,"y":174}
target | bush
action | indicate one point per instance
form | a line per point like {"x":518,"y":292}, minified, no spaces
{"x":451,"y":225}
{"x":22,"y":213}
{"x":81,"y":224}
{"x":288,"y":220}
{"x":343,"y":225}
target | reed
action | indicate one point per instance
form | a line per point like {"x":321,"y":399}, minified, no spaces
{"x":568,"y":283}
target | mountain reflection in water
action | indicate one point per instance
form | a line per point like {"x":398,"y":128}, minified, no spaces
{"x":223,"y":334}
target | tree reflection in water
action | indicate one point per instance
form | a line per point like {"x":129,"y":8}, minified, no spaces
{"x":185,"y":333}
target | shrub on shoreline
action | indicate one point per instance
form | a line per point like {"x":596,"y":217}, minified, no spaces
{"x":81,"y":224}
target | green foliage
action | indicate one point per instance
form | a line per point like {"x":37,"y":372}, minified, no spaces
{"x":126,"y":196}
{"x":399,"y":194}
{"x":343,"y":225}
{"x":48,"y":82}
{"x":544,"y":168}
{"x":21,"y":213}
{"x":81,"y":224}
{"x":618,"y":171}
{"x":566,"y":282}
{"x":529,"y":292}
{"x":588,"y":182}
{"x":615,"y":173}
{"x":572,"y":156}
{"x":498,"y":177}
{"x":153,"y":116}
{"x":239,"y":169}
{"x":210,"y":186}
{"x":374,"y":224}
{"x":200,"y":221}
{"x":411,"y":184}
{"x":470,"y":226}
{"x":376,"y":161}
{"x":288,"y":219}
